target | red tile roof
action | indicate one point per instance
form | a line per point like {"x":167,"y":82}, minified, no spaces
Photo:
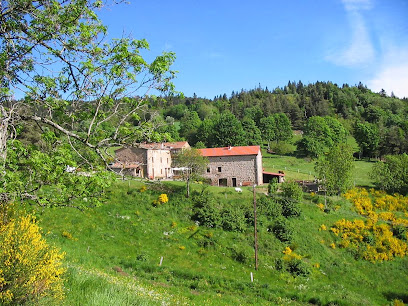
{"x":274,"y":174}
{"x":230,"y":151}
{"x":165,"y":145}
{"x":120,"y":165}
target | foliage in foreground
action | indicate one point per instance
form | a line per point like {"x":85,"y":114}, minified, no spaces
{"x":29,"y":268}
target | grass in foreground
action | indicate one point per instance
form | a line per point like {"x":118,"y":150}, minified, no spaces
{"x":114,"y":251}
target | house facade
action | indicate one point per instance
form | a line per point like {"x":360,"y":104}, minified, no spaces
{"x":234,"y":166}
{"x":151,"y":163}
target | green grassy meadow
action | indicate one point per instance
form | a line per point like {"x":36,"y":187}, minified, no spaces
{"x":303,"y":169}
{"x":113,"y":254}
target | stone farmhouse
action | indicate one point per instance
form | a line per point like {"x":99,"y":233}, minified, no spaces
{"x":234,"y":166}
{"x":149,"y":160}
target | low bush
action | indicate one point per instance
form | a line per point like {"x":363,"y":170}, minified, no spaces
{"x":297,"y":267}
{"x":233,"y":219}
{"x":273,"y":186}
{"x":240,"y":253}
{"x":283,"y":148}
{"x":282,"y":229}
{"x":290,"y":208}
{"x":292,"y":190}
{"x":206,"y":210}
{"x":269,"y":207}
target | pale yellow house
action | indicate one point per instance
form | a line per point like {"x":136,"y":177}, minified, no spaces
{"x":149,"y":160}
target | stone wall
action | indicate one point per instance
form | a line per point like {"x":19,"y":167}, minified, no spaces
{"x":235,"y":170}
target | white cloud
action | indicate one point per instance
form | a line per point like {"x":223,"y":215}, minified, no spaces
{"x":359,"y":51}
{"x":392,"y":75}
{"x":352,"y":5}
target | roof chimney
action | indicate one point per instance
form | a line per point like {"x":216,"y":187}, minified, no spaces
{"x":229,"y":147}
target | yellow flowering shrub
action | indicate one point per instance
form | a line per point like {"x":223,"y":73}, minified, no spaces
{"x":374,"y":239}
{"x":287,"y":251}
{"x":290,"y":255}
{"x":394,"y":202}
{"x":143,"y":188}
{"x":321,"y":206}
{"x":68,"y":235}
{"x":323,"y":227}
{"x":163,"y":198}
{"x":386,"y":216}
{"x":30,"y":268}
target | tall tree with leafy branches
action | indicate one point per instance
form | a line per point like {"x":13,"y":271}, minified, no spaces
{"x":335,"y":168}
{"x":59,"y":71}
{"x":193,"y":164}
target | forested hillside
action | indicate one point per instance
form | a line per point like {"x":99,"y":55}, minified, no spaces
{"x":378,"y":122}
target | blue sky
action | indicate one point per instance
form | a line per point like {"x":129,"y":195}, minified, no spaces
{"x":224,"y":46}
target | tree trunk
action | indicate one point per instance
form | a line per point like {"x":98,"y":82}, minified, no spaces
{"x":188,"y":187}
{"x":3,"y":142}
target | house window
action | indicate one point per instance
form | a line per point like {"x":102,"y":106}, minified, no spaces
{"x":167,"y":160}
{"x":161,"y":160}
{"x":208,"y":170}
{"x":161,"y":171}
{"x":219,"y":169}
{"x":222,"y":182}
{"x":152,"y":159}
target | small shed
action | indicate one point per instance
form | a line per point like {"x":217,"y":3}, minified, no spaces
{"x":268,"y":176}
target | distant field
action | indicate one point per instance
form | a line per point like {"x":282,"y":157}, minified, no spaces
{"x":303,"y":169}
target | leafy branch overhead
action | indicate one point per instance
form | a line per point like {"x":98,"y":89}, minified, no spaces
{"x":59,"y":70}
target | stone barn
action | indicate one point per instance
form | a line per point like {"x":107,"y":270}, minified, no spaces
{"x":234,"y":166}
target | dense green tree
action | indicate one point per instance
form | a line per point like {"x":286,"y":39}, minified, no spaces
{"x":317,"y":137}
{"x":392,"y":175}
{"x":205,"y":132}
{"x":338,"y":131}
{"x":394,"y":141}
{"x":283,"y":128}
{"x":367,"y":137}
{"x":268,"y":128}
{"x":335,"y":168}
{"x":252,"y":133}
{"x":227,"y":131}
{"x":177,"y":111}
{"x":190,"y":123}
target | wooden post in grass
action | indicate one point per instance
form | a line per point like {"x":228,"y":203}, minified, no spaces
{"x":255,"y":233}
{"x":161,"y":261}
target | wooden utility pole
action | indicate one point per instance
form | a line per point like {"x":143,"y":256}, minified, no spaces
{"x":255,"y":233}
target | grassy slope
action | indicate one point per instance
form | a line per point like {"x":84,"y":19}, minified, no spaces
{"x":129,"y":235}
{"x":303,"y":169}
